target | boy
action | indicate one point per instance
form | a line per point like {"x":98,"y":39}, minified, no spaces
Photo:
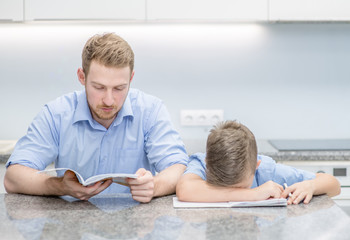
{"x":231,"y":170}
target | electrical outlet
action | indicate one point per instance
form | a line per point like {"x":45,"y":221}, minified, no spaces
{"x":201,"y":117}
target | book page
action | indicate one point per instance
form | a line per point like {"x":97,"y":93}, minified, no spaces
{"x":117,"y":177}
{"x":80,"y":178}
{"x":264,"y":203}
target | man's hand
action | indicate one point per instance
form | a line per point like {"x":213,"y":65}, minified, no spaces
{"x":142,"y":188}
{"x":268,"y":190}
{"x":300,"y":191}
{"x":26,"y":180}
{"x":72,"y":187}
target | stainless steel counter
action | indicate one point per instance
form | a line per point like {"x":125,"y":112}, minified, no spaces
{"x":119,"y":217}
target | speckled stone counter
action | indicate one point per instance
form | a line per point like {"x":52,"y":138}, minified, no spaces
{"x":265,"y":148}
{"x":4,"y":157}
{"x":283,"y":156}
{"x":120,"y":217}
{"x":309,"y":155}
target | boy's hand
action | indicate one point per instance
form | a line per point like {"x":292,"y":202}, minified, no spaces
{"x":301,"y":190}
{"x":268,"y":190}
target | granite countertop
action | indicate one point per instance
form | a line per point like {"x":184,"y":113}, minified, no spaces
{"x":120,"y":217}
{"x":6,"y":148}
{"x":282,"y":156}
{"x":4,"y":157}
{"x":264,"y":148}
{"x":309,"y":155}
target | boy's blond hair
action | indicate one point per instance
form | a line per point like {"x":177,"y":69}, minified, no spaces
{"x":109,"y":50}
{"x":231,"y":154}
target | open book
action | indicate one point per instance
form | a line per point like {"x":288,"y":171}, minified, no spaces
{"x":116,"y":177}
{"x":264,"y":203}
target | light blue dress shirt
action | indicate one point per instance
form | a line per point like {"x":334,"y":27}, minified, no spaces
{"x":64,"y":132}
{"x":267,"y":170}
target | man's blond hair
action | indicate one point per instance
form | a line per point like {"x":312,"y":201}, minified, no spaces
{"x":231,"y":154}
{"x":109,"y":50}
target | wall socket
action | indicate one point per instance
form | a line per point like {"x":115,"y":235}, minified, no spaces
{"x":201,"y":117}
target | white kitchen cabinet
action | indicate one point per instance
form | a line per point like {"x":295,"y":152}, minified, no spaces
{"x":230,"y":10}
{"x":309,"y":10}
{"x":85,"y":9}
{"x":11,"y":10}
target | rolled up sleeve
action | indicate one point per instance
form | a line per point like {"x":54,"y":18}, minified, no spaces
{"x":39,"y":147}
{"x":163,"y":143}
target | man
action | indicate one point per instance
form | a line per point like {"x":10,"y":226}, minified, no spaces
{"x":106,"y":128}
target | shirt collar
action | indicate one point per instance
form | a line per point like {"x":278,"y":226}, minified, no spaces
{"x":255,"y":181}
{"x":125,"y":111}
{"x":82,"y":111}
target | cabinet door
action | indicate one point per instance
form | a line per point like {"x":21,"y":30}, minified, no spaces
{"x":207,"y":10}
{"x":11,"y":10}
{"x":84,"y":9}
{"x":310,"y":10}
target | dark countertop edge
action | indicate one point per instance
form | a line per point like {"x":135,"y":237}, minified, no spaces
{"x":280,"y":156}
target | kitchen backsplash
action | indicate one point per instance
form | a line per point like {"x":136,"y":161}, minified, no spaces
{"x":287,"y":80}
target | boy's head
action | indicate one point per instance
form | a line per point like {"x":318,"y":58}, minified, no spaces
{"x":231,"y":155}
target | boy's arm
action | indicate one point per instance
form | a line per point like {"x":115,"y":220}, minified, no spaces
{"x":323,"y":184}
{"x":326,"y":184}
{"x":193,"y":188}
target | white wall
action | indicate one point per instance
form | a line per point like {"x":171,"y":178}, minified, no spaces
{"x":281,"y":80}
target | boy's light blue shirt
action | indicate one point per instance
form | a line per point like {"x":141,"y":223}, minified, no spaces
{"x":64,"y":132}
{"x":267,"y":170}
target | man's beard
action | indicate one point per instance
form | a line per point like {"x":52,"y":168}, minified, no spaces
{"x":102,"y":115}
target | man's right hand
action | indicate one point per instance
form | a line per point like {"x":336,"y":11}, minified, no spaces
{"x":26,"y":180}
{"x":71,"y":186}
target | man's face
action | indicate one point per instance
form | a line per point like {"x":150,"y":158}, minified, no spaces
{"x":106,"y":90}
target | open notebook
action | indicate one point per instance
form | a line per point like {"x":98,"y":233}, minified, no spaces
{"x":279,"y":202}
